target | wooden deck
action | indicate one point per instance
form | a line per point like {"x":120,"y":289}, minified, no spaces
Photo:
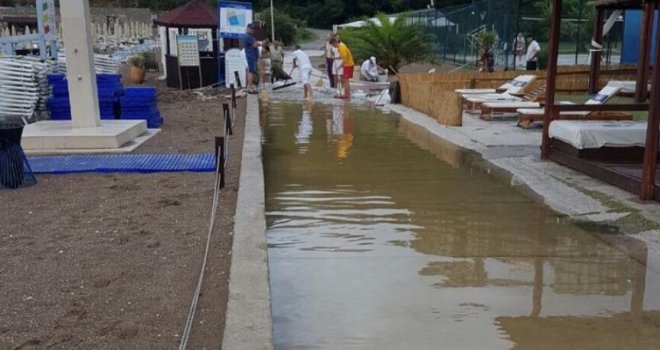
{"x":622,"y":169}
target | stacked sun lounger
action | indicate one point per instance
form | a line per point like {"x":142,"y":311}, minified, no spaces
{"x":103,"y":64}
{"x":139,"y":103}
{"x":109,"y":91}
{"x":23,"y":90}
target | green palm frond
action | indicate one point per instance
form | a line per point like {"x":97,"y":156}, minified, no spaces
{"x":392,"y":43}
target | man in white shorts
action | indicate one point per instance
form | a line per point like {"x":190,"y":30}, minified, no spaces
{"x":302,"y":62}
{"x":338,"y":64}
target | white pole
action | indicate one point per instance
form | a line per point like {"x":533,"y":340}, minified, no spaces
{"x":76,"y":28}
{"x":272,"y":19}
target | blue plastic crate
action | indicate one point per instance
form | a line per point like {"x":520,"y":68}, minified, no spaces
{"x":140,"y":91}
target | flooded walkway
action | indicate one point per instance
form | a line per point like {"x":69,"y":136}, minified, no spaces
{"x":383,"y":237}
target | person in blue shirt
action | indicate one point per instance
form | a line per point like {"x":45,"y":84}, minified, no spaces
{"x":251,"y":45}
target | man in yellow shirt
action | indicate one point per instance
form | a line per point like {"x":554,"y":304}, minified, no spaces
{"x":349,"y":66}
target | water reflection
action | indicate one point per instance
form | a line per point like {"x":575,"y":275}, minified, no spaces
{"x":401,"y":241}
{"x":305,"y":129}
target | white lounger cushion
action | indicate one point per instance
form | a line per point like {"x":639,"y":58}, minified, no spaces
{"x":596,"y":134}
{"x":476,"y":91}
{"x":627,"y":86}
{"x":513,"y":86}
{"x":492,"y":98}
{"x":512,"y":104}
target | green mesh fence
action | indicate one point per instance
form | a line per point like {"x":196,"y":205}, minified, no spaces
{"x":455,"y":29}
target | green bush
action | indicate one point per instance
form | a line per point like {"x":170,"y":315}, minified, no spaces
{"x":287,"y":29}
{"x":138,"y":60}
{"x":543,"y":58}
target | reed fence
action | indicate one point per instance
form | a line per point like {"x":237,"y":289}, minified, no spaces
{"x":433,"y":94}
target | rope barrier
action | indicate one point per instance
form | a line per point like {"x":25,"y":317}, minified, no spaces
{"x":193,"y":306}
{"x":220,"y":161}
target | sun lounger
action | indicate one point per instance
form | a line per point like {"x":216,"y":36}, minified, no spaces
{"x":628,"y":87}
{"x":512,"y":93}
{"x":529,"y":100}
{"x":526,"y":116}
{"x":509,"y":86}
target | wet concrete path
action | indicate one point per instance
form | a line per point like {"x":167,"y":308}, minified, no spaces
{"x":383,"y":237}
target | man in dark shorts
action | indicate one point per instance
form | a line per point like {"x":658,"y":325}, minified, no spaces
{"x":251,"y":46}
{"x":533,"y":51}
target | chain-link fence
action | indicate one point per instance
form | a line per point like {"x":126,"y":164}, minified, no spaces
{"x":456,"y":29}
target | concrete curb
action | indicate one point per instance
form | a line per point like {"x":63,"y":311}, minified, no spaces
{"x":248,"y":322}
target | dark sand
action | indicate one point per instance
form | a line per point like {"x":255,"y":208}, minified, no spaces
{"x":95,"y":261}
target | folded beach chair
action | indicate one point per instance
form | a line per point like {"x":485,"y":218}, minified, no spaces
{"x":472,"y":102}
{"x":526,"y":116}
{"x":532,"y":99}
{"x":521,"y":79}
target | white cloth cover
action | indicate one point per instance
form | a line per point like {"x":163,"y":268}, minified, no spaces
{"x":596,"y":134}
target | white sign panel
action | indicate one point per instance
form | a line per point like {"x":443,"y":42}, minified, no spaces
{"x":47,"y":19}
{"x":188,"y":50}
{"x":204,"y":38}
{"x":234,"y":17}
{"x":173,"y":33}
{"x":235,"y":62}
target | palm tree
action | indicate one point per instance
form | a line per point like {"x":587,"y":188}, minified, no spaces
{"x":391,"y":42}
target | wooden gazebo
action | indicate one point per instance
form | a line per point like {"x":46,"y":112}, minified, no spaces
{"x":191,"y":17}
{"x":635,"y":175}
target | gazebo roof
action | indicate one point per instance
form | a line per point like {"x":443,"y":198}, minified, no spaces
{"x":196,"y":13}
{"x":617,"y":4}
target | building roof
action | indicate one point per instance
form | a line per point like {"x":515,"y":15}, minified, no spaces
{"x":196,"y":13}
{"x":617,"y":4}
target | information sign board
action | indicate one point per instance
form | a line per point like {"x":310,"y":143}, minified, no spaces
{"x":234,"y":17}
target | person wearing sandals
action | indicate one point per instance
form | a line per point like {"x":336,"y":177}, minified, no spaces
{"x":251,"y":45}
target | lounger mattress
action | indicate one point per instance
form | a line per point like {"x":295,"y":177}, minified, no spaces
{"x":475,"y":91}
{"x":511,"y":104}
{"x":597,"y":134}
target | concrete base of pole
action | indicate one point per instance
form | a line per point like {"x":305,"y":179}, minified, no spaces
{"x":61,"y":137}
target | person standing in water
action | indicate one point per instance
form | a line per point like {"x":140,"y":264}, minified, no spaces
{"x":330,"y":60}
{"x":349,"y":66}
{"x":304,"y":65}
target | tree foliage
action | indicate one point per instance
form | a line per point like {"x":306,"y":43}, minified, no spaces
{"x":392,"y":43}
{"x":287,"y":29}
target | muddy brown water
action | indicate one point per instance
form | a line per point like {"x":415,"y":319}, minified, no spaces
{"x":384,"y":237}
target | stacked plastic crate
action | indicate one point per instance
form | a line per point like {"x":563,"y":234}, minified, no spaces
{"x":109,"y":89}
{"x":139,"y":103}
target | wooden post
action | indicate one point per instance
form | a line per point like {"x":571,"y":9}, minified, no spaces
{"x":551,"y":77}
{"x":594,"y":73}
{"x":641,"y":88}
{"x":651,"y":148}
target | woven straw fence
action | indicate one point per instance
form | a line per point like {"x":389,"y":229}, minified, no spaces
{"x":433,"y":94}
